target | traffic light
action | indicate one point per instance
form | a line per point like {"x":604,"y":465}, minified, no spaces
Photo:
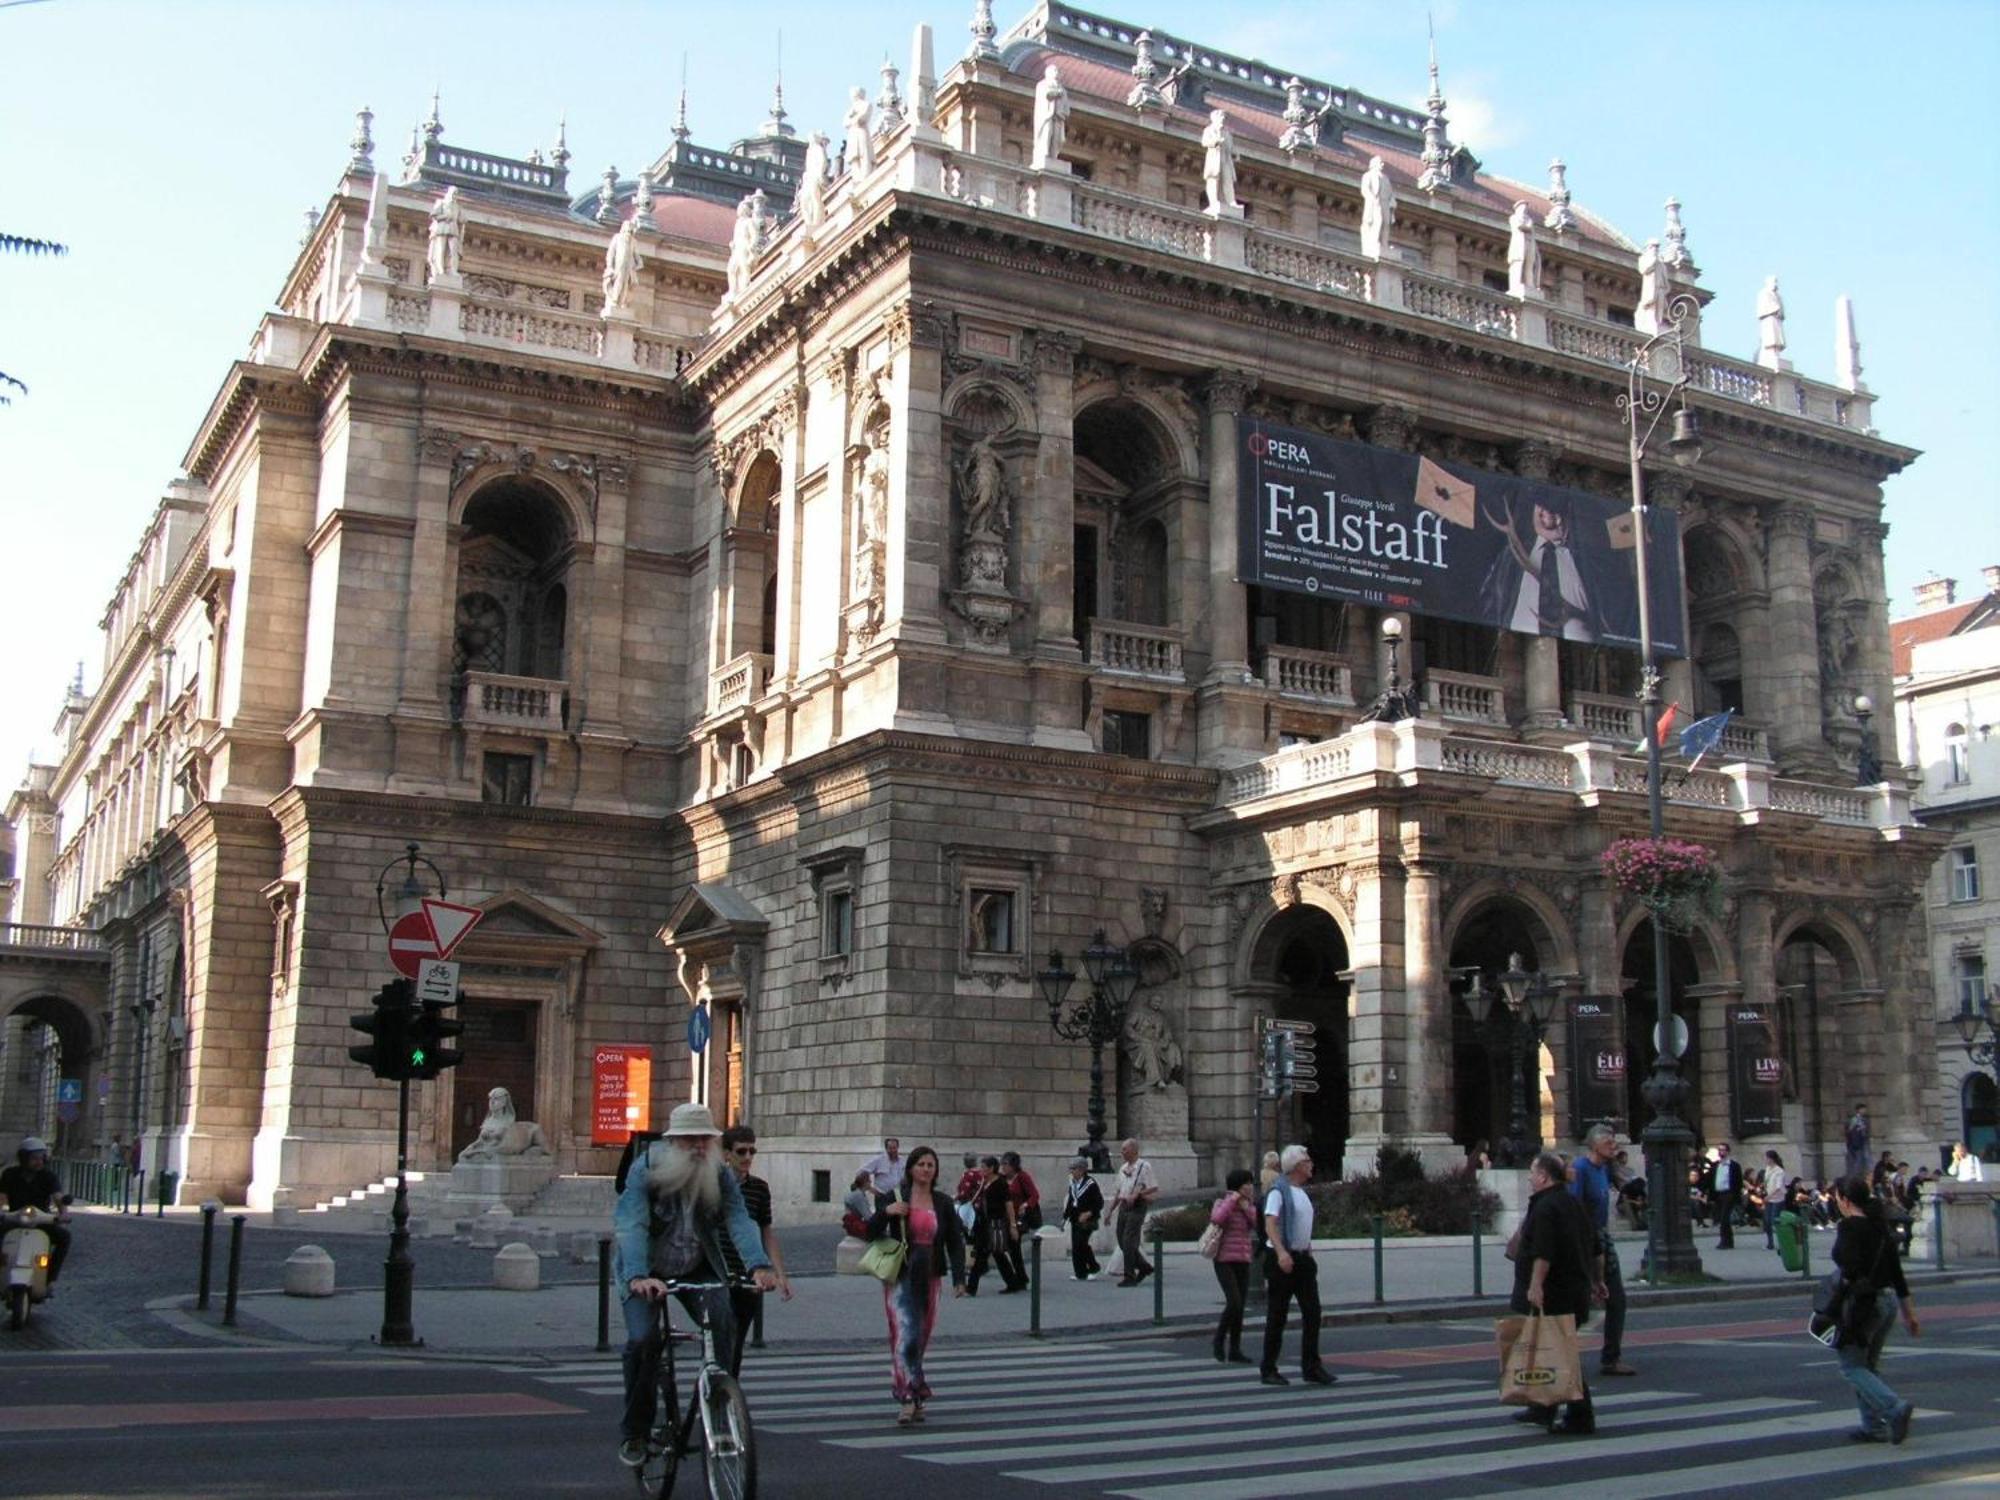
{"x":389,"y":1024}
{"x":430,"y":1030}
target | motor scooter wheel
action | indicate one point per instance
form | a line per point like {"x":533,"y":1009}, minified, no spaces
{"x":17,"y":1308}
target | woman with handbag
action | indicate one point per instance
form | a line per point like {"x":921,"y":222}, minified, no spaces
{"x":919,"y":1218}
{"x":1864,"y":1250}
{"x":1230,"y":1240}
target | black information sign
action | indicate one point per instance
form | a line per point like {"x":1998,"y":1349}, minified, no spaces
{"x":1365,"y":525}
{"x":1756,"y":1072}
{"x":1596,"y":1065}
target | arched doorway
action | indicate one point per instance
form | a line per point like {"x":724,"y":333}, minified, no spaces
{"x":1812,"y":969}
{"x":1979,"y":1116}
{"x":1641,"y":1015}
{"x":1302,"y":956}
{"x":1481,"y":1050}
{"x":44,"y":1041}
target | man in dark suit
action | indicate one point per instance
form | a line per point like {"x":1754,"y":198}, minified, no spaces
{"x":1725,"y":1185}
{"x":1550,"y":578}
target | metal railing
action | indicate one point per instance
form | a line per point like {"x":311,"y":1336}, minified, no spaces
{"x":108,"y":1184}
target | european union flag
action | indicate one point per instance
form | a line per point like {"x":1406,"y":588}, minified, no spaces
{"x":1703,"y":735}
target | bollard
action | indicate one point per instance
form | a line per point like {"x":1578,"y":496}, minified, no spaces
{"x":1478,"y":1262}
{"x":1034,"y":1286}
{"x":1937,"y":1232}
{"x":235,"y":1270}
{"x":603,"y":1293}
{"x":1378,"y":1256}
{"x":208,"y":1212}
{"x":1159,"y":1281}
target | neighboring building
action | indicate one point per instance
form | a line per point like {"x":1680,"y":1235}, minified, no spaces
{"x":1947,"y":661}
{"x":820,"y":631}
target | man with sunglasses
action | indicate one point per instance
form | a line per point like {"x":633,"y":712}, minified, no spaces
{"x":739,"y":1149}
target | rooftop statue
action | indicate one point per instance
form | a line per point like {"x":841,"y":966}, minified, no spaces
{"x":1218,"y":166}
{"x":812,"y":183}
{"x":1051,"y":118}
{"x":447,"y":236}
{"x":743,"y":245}
{"x":622,"y":263}
{"x":1524,"y":256}
{"x":1771,"y":327}
{"x":1655,"y":291}
{"x":1378,"y":209}
{"x":860,"y":139}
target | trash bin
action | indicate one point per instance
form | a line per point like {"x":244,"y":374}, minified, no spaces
{"x":1790,"y":1235}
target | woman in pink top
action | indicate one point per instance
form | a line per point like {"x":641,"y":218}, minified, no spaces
{"x":922,"y":1216}
{"x":1236,"y":1213}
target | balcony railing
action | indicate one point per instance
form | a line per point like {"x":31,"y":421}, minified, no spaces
{"x":1310,"y":265}
{"x":1137,"y":650}
{"x":533,"y":705}
{"x":739,"y":682}
{"x":50,"y":939}
{"x":1315,"y":675}
{"x":1140,"y":221}
{"x":1456,"y":302}
{"x":501,"y":323}
{"x":1465,"y":698}
{"x":1613,"y":720}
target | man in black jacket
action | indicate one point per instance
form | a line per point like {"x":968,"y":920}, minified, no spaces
{"x":1725,"y":1185}
{"x":1556,"y":1271}
{"x":1083,"y":1210}
{"x":32,"y":1183}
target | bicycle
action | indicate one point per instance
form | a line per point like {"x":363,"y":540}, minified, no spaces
{"x":728,"y":1443}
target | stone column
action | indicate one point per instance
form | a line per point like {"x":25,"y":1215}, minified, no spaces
{"x":429,"y":609}
{"x":792,"y":443}
{"x":1228,"y":626}
{"x":604,"y":646}
{"x":1378,"y":1015}
{"x":1427,"y":1002}
{"x":1049,"y":521}
{"x":919,"y":500}
{"x":1394,"y":428}
{"x":1542,"y":666}
{"x":1875,"y":675}
{"x":1793,"y":643}
{"x":1906,"y":1038}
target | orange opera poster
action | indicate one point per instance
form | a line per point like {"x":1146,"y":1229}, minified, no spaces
{"x":621,"y":1093}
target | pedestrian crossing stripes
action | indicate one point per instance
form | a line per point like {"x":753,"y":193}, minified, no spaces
{"x":1152,"y":1423}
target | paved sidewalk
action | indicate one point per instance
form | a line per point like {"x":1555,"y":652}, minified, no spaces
{"x":1430,"y":1278}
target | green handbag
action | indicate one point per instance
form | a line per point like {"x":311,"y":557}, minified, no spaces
{"x":884,"y":1257}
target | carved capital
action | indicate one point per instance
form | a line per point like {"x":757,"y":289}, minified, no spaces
{"x":1793,"y":521}
{"x":436,"y":446}
{"x":1054,"y":354}
{"x":915,"y":323}
{"x":838,"y":372}
{"x":1228,"y":390}
{"x":1534,"y":460}
{"x":1669,"y":488}
{"x":614,"y":473}
{"x":1391,"y":427}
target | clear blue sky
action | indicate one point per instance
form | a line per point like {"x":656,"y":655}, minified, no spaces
{"x":1847,"y":146}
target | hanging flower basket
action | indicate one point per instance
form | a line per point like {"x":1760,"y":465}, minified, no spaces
{"x":1678,"y":880}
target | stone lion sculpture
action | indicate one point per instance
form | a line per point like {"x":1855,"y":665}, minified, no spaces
{"x":502,"y":1135}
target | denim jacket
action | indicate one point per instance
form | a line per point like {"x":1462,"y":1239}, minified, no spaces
{"x":632,"y":1222}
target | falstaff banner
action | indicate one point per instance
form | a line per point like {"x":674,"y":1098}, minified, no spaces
{"x":1597,"y":1064}
{"x":1756,"y":1072}
{"x":1364,"y":525}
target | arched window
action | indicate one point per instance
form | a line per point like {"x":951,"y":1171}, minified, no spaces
{"x":1957,"y":755}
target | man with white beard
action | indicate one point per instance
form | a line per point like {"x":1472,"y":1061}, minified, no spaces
{"x":677,"y":1200}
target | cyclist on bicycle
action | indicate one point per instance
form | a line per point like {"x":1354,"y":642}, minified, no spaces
{"x":678,"y":1200}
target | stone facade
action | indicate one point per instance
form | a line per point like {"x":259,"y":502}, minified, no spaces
{"x":826,"y":654}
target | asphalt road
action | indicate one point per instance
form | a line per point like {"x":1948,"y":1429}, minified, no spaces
{"x":1731,"y":1398}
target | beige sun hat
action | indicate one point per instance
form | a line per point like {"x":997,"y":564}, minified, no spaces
{"x":691,"y":1119}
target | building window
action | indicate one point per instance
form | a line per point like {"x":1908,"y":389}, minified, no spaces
{"x":1957,"y":755}
{"x":1971,"y":986}
{"x":1128,"y":734}
{"x":836,"y":922}
{"x":990,"y":921}
{"x":507,"y":779}
{"x":1965,"y":873}
{"x":822,"y":1185}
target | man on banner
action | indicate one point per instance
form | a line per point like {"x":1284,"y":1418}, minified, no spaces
{"x":1548,"y":579}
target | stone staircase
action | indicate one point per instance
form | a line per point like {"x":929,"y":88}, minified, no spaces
{"x":367,"y":1207}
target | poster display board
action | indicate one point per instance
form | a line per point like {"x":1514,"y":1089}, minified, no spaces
{"x":1756,"y":1072}
{"x":621,"y":1093}
{"x":1364,"y":525}
{"x":1596,"y":1065}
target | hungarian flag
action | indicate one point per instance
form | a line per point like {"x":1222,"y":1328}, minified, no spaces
{"x":1666,"y":726}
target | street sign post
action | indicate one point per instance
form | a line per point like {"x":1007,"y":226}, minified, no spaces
{"x":437,"y":982}
{"x":450,"y":924}
{"x":698,"y":1030}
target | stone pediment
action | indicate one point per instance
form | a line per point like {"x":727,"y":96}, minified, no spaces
{"x":709,"y":909}
{"x":1097,"y":482}
{"x":517,"y":916}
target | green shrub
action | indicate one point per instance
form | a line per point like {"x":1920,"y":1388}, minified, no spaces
{"x":1185,"y":1221}
{"x":1409,"y":1202}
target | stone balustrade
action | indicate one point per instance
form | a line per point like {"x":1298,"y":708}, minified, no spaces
{"x":1141,"y":221}
{"x":521,"y":704}
{"x":1290,"y":259}
{"x":739,"y":682}
{"x":1318,"y":676}
{"x":1457,"y":302}
{"x":1136,"y":650}
{"x":1606,"y":718}
{"x":1461,"y":696}
{"x":487,"y":322}
{"x":50,"y":939}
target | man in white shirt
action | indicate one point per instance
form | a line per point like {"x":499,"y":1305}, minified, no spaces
{"x":885,"y":1168}
{"x":1137,"y":1188}
{"x":1289,"y":1271}
{"x":1725,"y":1185}
{"x":1542,"y":582}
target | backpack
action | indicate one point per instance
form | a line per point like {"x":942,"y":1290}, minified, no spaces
{"x":635,"y":1150}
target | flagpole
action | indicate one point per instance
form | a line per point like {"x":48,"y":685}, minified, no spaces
{"x":1667,"y":1137}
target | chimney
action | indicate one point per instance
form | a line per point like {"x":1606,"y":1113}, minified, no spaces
{"x":1935,"y":592}
{"x":1992,"y":577}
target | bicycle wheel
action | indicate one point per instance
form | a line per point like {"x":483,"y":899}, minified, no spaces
{"x":730,"y":1450}
{"x":664,"y":1446}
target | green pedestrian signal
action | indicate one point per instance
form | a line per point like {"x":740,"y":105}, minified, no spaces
{"x":433,"y":1027}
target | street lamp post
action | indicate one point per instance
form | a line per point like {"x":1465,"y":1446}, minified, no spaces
{"x":1867,"y":764}
{"x":399,"y":1271}
{"x":1985,"y":1053}
{"x":1098,"y":1019}
{"x":1527,"y":1003}
{"x":1397,"y":701}
{"x":1648,"y":400}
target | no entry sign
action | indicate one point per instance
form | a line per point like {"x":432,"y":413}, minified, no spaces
{"x":433,"y":932}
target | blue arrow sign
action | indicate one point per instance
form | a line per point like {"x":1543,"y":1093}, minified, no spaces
{"x":698,"y":1030}
{"x":69,"y":1091}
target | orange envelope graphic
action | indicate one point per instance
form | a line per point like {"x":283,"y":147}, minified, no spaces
{"x":1621,"y":531}
{"x":1454,"y":499}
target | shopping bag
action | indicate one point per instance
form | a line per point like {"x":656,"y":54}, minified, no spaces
{"x":1539,"y":1365}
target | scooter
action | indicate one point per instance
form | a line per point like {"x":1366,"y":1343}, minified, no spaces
{"x":25,"y":1252}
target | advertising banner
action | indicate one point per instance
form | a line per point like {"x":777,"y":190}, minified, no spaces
{"x":1756,"y":1072}
{"x":1596,"y":1065}
{"x":621,"y":1093}
{"x":1364,"y":525}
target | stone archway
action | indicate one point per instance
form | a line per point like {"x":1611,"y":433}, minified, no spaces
{"x":1483,"y":941}
{"x":47,"y":1037}
{"x":1299,"y":964}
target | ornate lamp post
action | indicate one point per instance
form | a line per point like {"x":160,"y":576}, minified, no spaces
{"x":1098,"y":1019}
{"x":1527,"y":1002}
{"x":1648,"y":400}
{"x":399,"y":1271}
{"x":1985,"y":1053}
{"x":1867,"y":764}
{"x":1397,"y":701}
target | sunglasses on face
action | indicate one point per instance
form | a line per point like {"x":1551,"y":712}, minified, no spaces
{"x":744,"y":1150}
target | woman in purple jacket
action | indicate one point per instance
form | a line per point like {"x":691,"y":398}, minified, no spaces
{"x":1236,"y":1214}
